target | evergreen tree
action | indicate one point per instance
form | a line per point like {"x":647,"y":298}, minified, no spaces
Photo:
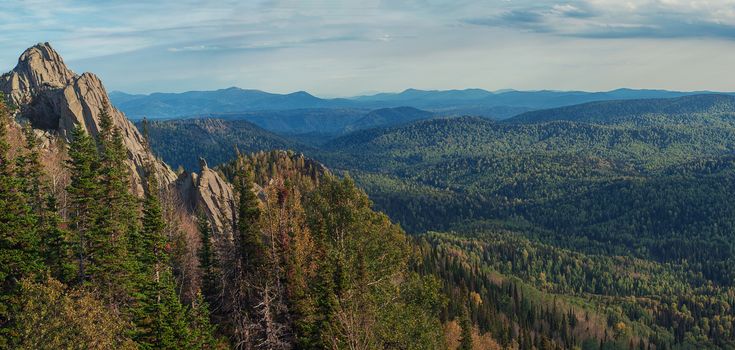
{"x":19,"y":243}
{"x":54,"y":247}
{"x":159,"y":316}
{"x":117,"y":218}
{"x":201,"y":329}
{"x":466,"y":326}
{"x":30,"y":171}
{"x":84,"y":194}
{"x":208,"y":262}
{"x":251,"y":250}
{"x":249,"y":255}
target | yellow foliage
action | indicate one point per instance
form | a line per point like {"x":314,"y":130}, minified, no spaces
{"x":52,"y":317}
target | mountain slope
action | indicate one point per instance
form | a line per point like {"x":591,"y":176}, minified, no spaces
{"x":388,"y":117}
{"x":608,"y":112}
{"x":182,"y":142}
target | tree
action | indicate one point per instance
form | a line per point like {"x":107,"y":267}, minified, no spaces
{"x":208,"y":263}
{"x":159,"y":316}
{"x":201,"y":329}
{"x":19,"y":243}
{"x":50,"y":316}
{"x":54,"y":247}
{"x":466,"y":326}
{"x":117,"y":218}
{"x":248,"y":267}
{"x":84,"y":193}
{"x":251,"y":250}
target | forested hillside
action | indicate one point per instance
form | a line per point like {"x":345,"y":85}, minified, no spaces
{"x":643,"y":185}
{"x":181,"y":142}
{"x":305,"y":263}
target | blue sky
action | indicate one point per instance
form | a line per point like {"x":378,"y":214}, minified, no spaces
{"x":342,"y":48}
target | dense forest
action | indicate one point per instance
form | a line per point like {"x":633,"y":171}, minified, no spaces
{"x":622,"y":208}
{"x":305,"y":263}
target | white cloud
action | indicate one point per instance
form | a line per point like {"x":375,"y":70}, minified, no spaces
{"x":349,"y":46}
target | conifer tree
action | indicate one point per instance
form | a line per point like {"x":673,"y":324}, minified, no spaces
{"x":158,"y":314}
{"x":466,"y":326}
{"x":19,"y":244}
{"x":251,"y":250}
{"x":30,"y":171}
{"x":84,"y":194}
{"x":208,"y":262}
{"x":249,"y":255}
{"x":116,"y":220}
{"x":54,"y":248}
{"x":201,"y":329}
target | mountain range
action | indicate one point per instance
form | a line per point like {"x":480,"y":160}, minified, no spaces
{"x":478,"y":102}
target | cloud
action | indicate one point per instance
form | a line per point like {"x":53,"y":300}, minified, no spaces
{"x":338,"y":46}
{"x":604,"y":19}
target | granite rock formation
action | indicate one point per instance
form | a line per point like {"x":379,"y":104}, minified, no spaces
{"x":55,"y":100}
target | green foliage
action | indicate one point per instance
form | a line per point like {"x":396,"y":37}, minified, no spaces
{"x":208,"y":263}
{"x":161,"y":319}
{"x":19,"y":241}
{"x":181,"y":142}
{"x":83,"y":192}
{"x":249,"y":239}
{"x":466,"y":326}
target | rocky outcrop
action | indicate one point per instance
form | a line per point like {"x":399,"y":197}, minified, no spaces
{"x":54,"y":99}
{"x":209,"y":193}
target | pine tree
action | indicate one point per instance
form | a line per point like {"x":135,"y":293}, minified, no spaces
{"x":19,"y":243}
{"x":84,"y":193}
{"x":116,"y":220}
{"x":159,"y":315}
{"x":250,"y":243}
{"x":249,"y":263}
{"x":466,"y":326}
{"x":208,"y":263}
{"x":54,"y":248}
{"x":30,"y":171}
{"x":201,"y":329}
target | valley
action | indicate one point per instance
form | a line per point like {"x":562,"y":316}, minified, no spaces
{"x":642,"y":185}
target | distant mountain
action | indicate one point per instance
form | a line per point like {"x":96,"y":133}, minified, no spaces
{"x":477,"y":102}
{"x":414,"y":94}
{"x":327,"y":122}
{"x":618,"y":110}
{"x":388,"y":117}
{"x":434,"y":99}
{"x":169,"y":105}
{"x":296,"y":121}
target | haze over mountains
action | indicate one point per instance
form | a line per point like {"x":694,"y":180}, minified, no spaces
{"x":496,"y":105}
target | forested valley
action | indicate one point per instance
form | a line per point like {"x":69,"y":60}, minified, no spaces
{"x":622,"y":209}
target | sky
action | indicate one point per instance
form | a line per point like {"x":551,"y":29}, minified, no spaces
{"x":347,"y":47}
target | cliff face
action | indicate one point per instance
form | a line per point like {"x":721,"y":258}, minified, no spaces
{"x":209,"y":193}
{"x":54,"y":99}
